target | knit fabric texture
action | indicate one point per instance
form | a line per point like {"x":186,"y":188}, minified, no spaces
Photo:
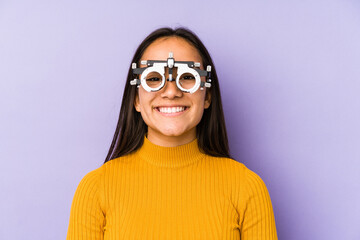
{"x":171,"y":193}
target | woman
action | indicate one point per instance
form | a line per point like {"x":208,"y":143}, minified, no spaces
{"x":168,"y":173}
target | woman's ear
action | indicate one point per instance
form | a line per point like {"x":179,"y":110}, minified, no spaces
{"x":207,"y":99}
{"x":136,"y":102}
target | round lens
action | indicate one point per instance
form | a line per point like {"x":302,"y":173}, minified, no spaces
{"x":187,"y":80}
{"x":153,"y":79}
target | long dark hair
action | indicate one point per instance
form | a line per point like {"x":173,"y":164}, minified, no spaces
{"x":131,"y":128}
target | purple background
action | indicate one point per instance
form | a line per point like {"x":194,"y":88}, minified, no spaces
{"x":290,"y":79}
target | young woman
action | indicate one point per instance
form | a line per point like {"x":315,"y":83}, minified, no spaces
{"x":168,"y":173}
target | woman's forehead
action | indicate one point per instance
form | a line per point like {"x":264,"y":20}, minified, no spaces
{"x":182,"y":50}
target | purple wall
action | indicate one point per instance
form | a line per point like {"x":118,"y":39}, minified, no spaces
{"x":290,"y":79}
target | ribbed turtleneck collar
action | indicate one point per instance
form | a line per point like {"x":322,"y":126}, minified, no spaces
{"x":170,"y":157}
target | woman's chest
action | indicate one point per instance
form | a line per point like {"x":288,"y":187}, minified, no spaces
{"x":171,"y":205}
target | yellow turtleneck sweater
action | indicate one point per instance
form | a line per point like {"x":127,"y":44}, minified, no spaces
{"x":171,"y":193}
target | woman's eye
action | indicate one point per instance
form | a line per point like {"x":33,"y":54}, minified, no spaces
{"x":153,"y":79}
{"x":188,"y":77}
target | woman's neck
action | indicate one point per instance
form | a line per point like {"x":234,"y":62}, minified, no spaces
{"x":170,"y":157}
{"x":160,"y":139}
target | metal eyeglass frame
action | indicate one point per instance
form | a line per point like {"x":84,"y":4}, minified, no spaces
{"x":182,"y":67}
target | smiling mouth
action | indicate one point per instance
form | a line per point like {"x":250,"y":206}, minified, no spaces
{"x":171,"y":109}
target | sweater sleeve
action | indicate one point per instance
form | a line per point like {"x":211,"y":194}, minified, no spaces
{"x":258,"y":221}
{"x":86,"y":216}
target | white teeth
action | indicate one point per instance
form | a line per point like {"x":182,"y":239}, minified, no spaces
{"x":171,"y":109}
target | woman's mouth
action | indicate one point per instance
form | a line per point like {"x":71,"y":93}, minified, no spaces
{"x":171,"y":111}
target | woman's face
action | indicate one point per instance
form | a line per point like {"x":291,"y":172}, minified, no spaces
{"x":177,"y":127}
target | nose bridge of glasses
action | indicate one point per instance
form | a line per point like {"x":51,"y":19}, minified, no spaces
{"x":170,"y":86}
{"x":173,"y":73}
{"x":171,"y":81}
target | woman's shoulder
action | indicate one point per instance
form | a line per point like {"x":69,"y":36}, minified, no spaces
{"x":229,"y":164}
{"x":237,"y":171}
{"x":105,"y":169}
{"x":244,"y":184}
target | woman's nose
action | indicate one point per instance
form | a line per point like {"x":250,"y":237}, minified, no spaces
{"x":170,"y":90}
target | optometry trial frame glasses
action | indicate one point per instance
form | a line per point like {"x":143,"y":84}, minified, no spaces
{"x":188,"y":77}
